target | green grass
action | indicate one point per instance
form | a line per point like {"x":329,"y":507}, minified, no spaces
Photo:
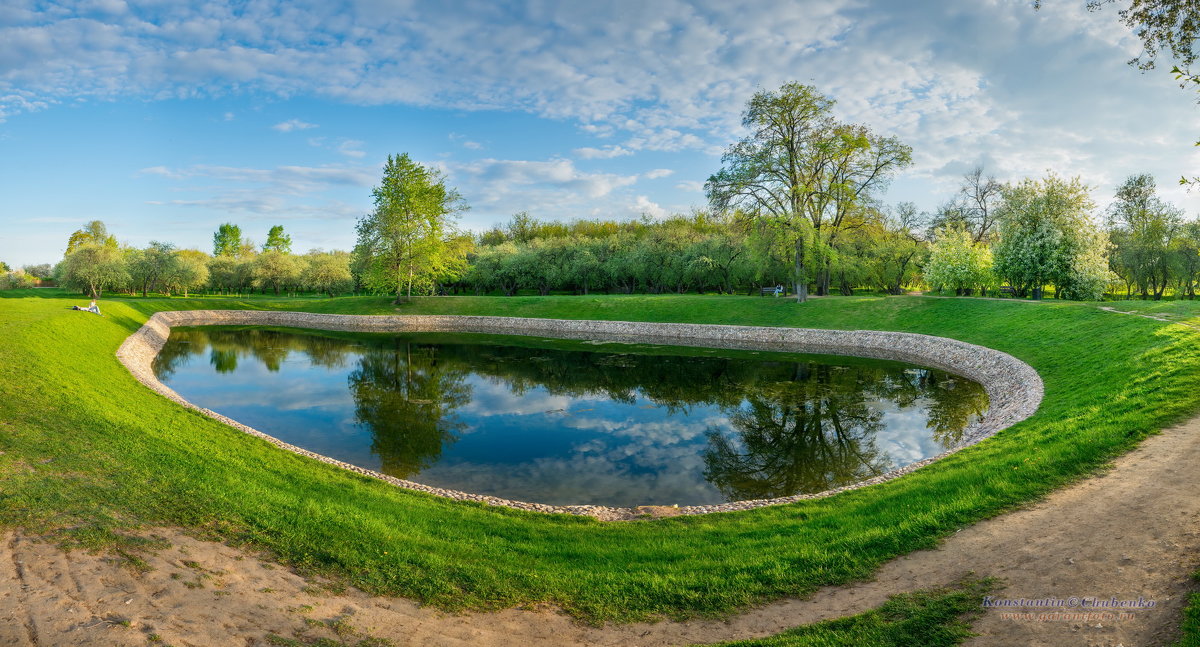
{"x":934,"y":618}
{"x":1182,"y":310}
{"x":89,"y":451}
{"x":1191,"y":620}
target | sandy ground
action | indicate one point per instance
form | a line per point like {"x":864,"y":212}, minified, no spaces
{"x":1134,"y":531}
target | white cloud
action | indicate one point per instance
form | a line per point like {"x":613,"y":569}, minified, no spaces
{"x":295,"y":179}
{"x":607,"y":152}
{"x":292,"y":124}
{"x":507,"y":175}
{"x":264,"y":205}
{"x":281,"y":192}
{"x":648,"y":207}
{"x":352,"y":148}
{"x":160,"y":170}
{"x":959,"y":81}
{"x":466,"y":143}
{"x":694,"y":186}
{"x":658,"y":173}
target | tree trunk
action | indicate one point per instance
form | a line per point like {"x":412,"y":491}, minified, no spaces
{"x":824,"y":280}
{"x":798,"y":278}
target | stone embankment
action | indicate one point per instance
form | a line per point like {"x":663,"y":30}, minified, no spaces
{"x":1014,"y":389}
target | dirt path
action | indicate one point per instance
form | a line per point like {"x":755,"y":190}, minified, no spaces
{"x":1132,"y":532}
{"x":1146,"y":316}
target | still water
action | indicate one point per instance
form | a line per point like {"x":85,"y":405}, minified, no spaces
{"x":564,"y":422}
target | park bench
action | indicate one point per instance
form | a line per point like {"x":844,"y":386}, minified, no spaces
{"x":1008,"y":289}
{"x":776,"y":290}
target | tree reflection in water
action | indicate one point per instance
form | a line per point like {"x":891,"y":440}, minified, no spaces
{"x":795,"y":424}
{"x":818,"y":431}
{"x":407,"y":398}
{"x":808,"y":434}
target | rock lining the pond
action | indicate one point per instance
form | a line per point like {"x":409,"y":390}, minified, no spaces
{"x":1014,"y":389}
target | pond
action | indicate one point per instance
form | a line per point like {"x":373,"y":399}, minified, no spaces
{"x":569,"y":422}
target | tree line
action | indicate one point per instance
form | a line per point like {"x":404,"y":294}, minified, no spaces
{"x":797,"y":202}
{"x":95,"y":262}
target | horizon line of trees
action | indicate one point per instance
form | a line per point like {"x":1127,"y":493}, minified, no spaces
{"x":797,"y":202}
{"x":1026,"y":235}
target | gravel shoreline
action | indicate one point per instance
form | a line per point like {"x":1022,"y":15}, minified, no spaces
{"x":1014,"y":389}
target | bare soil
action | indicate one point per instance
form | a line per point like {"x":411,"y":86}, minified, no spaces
{"x":1131,"y":532}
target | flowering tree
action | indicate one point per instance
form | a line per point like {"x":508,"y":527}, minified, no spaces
{"x":1047,"y":236}
{"x":957,"y":262}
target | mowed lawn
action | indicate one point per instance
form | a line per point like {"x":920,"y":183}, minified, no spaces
{"x":88,"y":453}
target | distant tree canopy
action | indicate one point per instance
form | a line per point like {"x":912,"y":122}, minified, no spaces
{"x":189,"y":271}
{"x":94,"y":233}
{"x":41,"y":270}
{"x":277,"y":241}
{"x":227,"y":240}
{"x":973,"y":208}
{"x":274,"y":270}
{"x":328,"y":273}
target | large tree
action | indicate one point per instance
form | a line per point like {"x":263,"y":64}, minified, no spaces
{"x":409,"y":240}
{"x":1186,"y":248}
{"x":1143,"y":228}
{"x":272,"y":269}
{"x":958,"y":262}
{"x":92,"y":267}
{"x":188,"y":272}
{"x":801,"y":174}
{"x":973,"y":208}
{"x":328,"y":273}
{"x":147,"y":267}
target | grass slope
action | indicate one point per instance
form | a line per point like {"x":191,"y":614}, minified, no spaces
{"x":87,"y":448}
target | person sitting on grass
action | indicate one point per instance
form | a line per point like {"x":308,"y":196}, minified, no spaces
{"x":92,"y":307}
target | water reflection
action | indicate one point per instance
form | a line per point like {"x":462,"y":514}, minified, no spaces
{"x":576,"y":425}
{"x":408,"y":399}
{"x":808,"y":434}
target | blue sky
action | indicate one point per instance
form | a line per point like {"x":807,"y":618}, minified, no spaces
{"x":166,"y":120}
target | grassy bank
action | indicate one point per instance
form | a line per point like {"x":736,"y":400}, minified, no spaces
{"x":85,"y":447}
